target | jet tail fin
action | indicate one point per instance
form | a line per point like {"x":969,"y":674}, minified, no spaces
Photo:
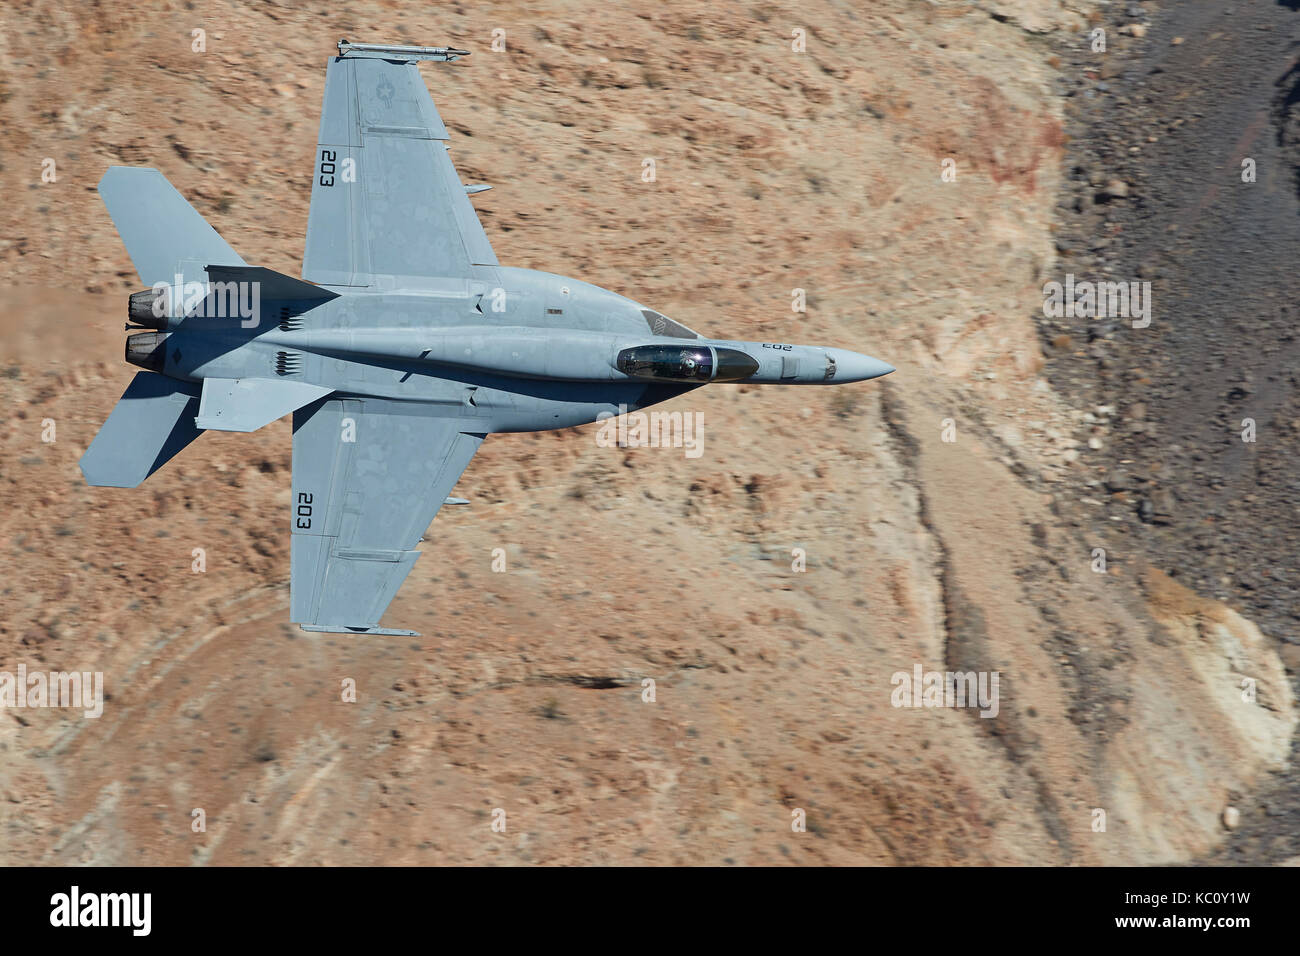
{"x":153,"y":421}
{"x":163,"y":233}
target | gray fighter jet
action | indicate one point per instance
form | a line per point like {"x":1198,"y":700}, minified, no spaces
{"x":403,"y":346}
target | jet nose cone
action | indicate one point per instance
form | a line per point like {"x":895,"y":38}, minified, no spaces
{"x":856,"y":367}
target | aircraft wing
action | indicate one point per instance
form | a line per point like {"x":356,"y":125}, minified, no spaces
{"x":369,"y":475}
{"x":386,"y":199}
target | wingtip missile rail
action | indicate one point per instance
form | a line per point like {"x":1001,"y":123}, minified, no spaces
{"x":385,"y":51}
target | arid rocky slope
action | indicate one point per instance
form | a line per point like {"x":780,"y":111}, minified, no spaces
{"x":775,"y":170}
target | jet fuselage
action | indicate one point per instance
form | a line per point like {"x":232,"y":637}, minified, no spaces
{"x":518,"y":349}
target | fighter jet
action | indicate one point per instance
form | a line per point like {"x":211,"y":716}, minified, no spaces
{"x":404,"y":345}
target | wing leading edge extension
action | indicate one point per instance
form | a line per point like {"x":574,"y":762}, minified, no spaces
{"x":369,"y":475}
{"x":386,"y":200}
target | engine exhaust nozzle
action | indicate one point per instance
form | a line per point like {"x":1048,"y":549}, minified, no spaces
{"x":148,"y":350}
{"x":148,"y":309}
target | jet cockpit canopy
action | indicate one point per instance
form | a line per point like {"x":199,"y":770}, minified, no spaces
{"x":686,"y":363}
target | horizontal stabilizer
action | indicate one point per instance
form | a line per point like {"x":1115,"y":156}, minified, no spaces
{"x":163,"y":234}
{"x":246,"y":404}
{"x":270,"y":284}
{"x":151,"y":423}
